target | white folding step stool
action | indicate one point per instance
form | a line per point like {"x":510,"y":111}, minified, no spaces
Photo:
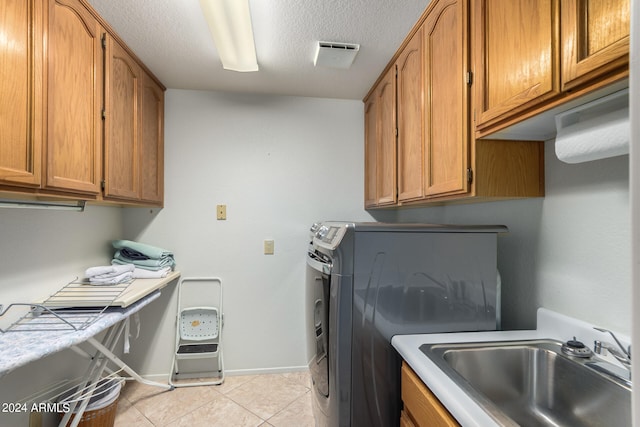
{"x":198,"y":332}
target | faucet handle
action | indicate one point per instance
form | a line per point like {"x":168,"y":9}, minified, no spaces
{"x":597,"y":347}
{"x":598,"y":344}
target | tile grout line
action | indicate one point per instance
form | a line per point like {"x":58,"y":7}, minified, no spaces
{"x":281,"y":410}
{"x":288,"y":405}
{"x":220,"y":394}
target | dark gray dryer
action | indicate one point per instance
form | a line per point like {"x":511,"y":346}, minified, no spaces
{"x":367,"y":282}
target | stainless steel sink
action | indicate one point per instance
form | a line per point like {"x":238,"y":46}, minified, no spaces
{"x":531,"y":383}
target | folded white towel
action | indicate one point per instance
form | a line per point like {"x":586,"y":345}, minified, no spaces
{"x":106,"y":271}
{"x":141,"y":273}
{"x":113,"y":280}
{"x":96,"y":271}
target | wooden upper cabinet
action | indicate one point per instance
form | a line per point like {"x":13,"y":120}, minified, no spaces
{"x":370,"y":152}
{"x":447,"y":101}
{"x":74,"y":98}
{"x":438,"y":157}
{"x":21,"y":68}
{"x":595,"y":39}
{"x":410,"y":120}
{"x":386,"y":142}
{"x":516,"y":58}
{"x":380,"y":142}
{"x":123,"y":83}
{"x":134,"y":121}
{"x":152,"y":142}
{"x":79,"y":113}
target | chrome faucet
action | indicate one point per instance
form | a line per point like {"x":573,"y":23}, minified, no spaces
{"x":621,"y":354}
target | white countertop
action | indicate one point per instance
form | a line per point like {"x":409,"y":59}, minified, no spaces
{"x":463,"y":408}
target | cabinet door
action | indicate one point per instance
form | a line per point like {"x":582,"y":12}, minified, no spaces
{"x":421,"y":407}
{"x":410,"y":116}
{"x":386,"y":149}
{"x":123,"y":81}
{"x":152,"y":142}
{"x":446,"y":109}
{"x":370,"y":151}
{"x":516,"y":59}
{"x":21,"y":89}
{"x":74,"y":98}
{"x":595,"y":36}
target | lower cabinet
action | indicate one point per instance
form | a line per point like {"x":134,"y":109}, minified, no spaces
{"x":420,"y":406}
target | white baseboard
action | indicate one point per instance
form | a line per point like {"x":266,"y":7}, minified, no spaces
{"x":235,"y":372}
{"x":258,"y":371}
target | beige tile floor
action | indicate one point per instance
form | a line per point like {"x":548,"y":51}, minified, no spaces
{"x":278,"y":400}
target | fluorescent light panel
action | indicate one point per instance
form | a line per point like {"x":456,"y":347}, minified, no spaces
{"x":230,"y":25}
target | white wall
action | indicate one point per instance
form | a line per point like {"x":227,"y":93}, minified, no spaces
{"x":259,"y":155}
{"x":634,"y":64}
{"x":41,"y":251}
{"x":568,"y":251}
{"x":279,"y":164}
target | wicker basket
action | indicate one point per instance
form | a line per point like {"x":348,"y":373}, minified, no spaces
{"x":101,"y":411}
{"x":103,"y":417}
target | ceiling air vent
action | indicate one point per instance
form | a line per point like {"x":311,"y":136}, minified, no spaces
{"x":335,"y":55}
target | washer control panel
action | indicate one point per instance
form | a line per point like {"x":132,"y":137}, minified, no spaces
{"x":327,"y":235}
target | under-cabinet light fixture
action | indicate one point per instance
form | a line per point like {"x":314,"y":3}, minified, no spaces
{"x":29,"y":204}
{"x":230,"y":25}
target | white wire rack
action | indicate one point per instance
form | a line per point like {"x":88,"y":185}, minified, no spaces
{"x":74,"y":307}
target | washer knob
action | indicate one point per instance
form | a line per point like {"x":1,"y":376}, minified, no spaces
{"x":322,"y":231}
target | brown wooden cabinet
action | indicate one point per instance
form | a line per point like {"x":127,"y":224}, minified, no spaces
{"x":123,"y":95}
{"x":80,"y":115}
{"x":73,"y":148}
{"x":410,"y":88}
{"x":421,"y":408}
{"x":134,"y":120}
{"x":438,"y":159}
{"x":380,"y":143}
{"x":152,"y":142}
{"x":595,"y":39}
{"x":433,"y":106}
{"x":21,"y":88}
{"x":517,"y":61}
{"x":370,"y":151}
{"x":531,"y":56}
{"x":446,"y":116}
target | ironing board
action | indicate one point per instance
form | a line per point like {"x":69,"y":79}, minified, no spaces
{"x":20,"y":348}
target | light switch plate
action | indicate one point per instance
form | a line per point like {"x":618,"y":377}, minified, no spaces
{"x":221,"y":212}
{"x":268,"y":247}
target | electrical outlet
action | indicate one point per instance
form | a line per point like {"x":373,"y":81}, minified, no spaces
{"x":268,"y":247}
{"x":221,"y":212}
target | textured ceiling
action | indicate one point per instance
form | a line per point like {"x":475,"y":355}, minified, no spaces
{"x":173,"y":40}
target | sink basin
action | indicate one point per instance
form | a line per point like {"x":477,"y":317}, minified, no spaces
{"x":532,"y":383}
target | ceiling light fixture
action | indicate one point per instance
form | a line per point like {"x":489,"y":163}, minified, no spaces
{"x":230,"y":25}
